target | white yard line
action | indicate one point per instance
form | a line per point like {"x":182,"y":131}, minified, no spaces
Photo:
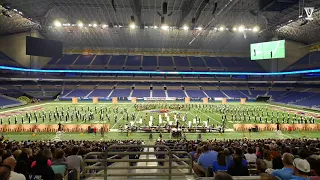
{"x":120,"y":119}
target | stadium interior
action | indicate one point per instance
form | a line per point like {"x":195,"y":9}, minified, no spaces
{"x":160,"y":89}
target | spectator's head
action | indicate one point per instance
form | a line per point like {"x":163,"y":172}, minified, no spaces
{"x":199,"y":150}
{"x":238,"y":152}
{"x":261,"y":165}
{"x":5,"y":172}
{"x":237,"y":160}
{"x":59,"y":154}
{"x":251,"y":151}
{"x":16,"y":153}
{"x":304,"y":153}
{"x":75,"y":150}
{"x":266,"y":176}
{"x":11,"y":162}
{"x":287,"y":159}
{"x":301,"y":167}
{"x":41,"y":159}
{"x":267,"y":155}
{"x":226,"y":152}
{"x":221,"y":158}
{"x":205,"y":148}
{"x":222,"y":176}
{"x":47,"y":153}
{"x":316,"y":167}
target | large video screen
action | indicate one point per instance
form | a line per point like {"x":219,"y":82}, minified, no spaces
{"x":268,"y":50}
{"x":43,"y":47}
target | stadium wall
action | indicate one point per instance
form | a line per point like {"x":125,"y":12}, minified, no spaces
{"x":294,"y":51}
{"x":15,"y":47}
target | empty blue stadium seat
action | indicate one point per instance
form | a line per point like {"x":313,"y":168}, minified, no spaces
{"x":100,"y":93}
{"x":212,"y":61}
{"x":117,"y":60}
{"x":195,"y":93}
{"x":133,"y":61}
{"x":196,"y":62}
{"x":140,"y":93}
{"x":8,"y":102}
{"x":165,"y":61}
{"x":176,"y":93}
{"x":149,"y":61}
{"x":67,"y":59}
{"x":101,"y":60}
{"x":158,"y":93}
{"x":121,"y":93}
{"x":181,"y":61}
{"x":84,"y":60}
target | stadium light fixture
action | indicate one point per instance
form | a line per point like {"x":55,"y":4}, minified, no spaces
{"x":221,"y":28}
{"x":235,"y":29}
{"x":90,"y":25}
{"x":132,"y":25}
{"x":185,"y":27}
{"x":94,"y":25}
{"x":165,"y":27}
{"x":80,"y":24}
{"x":20,"y":12}
{"x":104,"y":25}
{"x":57,"y":23}
{"x":255,"y":29}
{"x":199,"y":28}
{"x":241,"y":28}
{"x":155,"y":27}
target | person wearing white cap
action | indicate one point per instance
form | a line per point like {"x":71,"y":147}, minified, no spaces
{"x":301,"y":169}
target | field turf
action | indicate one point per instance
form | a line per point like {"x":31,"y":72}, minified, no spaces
{"x":202,"y":113}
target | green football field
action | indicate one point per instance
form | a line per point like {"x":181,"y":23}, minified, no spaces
{"x":211,"y":112}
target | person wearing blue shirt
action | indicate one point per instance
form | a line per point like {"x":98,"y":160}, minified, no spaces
{"x":221,"y":164}
{"x":286,"y":172}
{"x":205,"y":160}
{"x":301,"y":169}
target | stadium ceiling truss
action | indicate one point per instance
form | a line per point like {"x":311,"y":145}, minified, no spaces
{"x":147,"y":14}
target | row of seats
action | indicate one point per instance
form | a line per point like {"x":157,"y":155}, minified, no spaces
{"x":122,"y":62}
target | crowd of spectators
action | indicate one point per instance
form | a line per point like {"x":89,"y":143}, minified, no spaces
{"x":48,"y":160}
{"x":285,"y":159}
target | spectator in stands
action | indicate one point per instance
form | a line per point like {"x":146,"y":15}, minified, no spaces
{"x":228,"y":155}
{"x":41,"y":170}
{"x":205,"y":160}
{"x":4,"y":172}
{"x":315,"y":166}
{"x":239,"y":153}
{"x":301,"y":169}
{"x":267,"y":158}
{"x":222,"y":176}
{"x":238,"y":169}
{"x":221,"y":163}
{"x":23,"y":165}
{"x":198,"y":153}
{"x":251,"y":157}
{"x":74,"y":161}
{"x":59,"y":158}
{"x":16,"y":153}
{"x":304,"y":153}
{"x":287,"y":171}
{"x":11,"y":162}
{"x":192,"y":151}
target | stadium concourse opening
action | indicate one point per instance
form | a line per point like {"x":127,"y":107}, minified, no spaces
{"x":151,"y":89}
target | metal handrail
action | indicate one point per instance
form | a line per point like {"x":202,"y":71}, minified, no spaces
{"x":104,"y":169}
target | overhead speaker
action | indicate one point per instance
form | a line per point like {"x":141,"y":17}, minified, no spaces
{"x":164,"y":8}
{"x":162,"y":20}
